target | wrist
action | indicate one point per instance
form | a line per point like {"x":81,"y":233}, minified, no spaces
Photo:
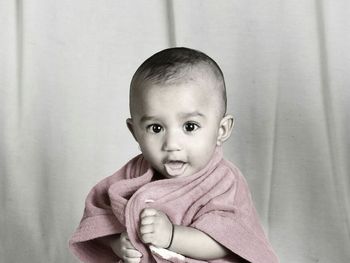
{"x":171,"y":236}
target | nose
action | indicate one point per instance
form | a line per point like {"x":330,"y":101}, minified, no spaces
{"x":172,"y":142}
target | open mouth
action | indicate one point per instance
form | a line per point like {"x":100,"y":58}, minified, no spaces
{"x":175,"y":168}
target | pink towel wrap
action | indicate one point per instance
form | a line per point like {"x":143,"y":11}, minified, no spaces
{"x":215,"y":200}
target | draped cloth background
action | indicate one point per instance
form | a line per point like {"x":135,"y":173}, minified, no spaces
{"x":65,"y":68}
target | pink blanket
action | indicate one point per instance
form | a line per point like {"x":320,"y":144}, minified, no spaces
{"x":216,"y":200}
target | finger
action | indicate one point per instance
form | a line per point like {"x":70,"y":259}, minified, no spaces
{"x":147,"y":238}
{"x":147,"y":220}
{"x":132,"y":253}
{"x":145,"y":229}
{"x":148,"y":212}
{"x":124,"y":236}
{"x":127,"y":244}
{"x":131,"y":260}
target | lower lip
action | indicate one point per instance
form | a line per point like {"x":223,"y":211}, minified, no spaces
{"x":175,"y":168}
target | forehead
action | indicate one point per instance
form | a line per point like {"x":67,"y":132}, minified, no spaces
{"x":196,"y":91}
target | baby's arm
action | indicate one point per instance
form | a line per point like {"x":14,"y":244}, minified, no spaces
{"x":122,"y":247}
{"x":156,"y":229}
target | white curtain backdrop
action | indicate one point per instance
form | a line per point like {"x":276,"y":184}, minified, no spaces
{"x":65,"y":68}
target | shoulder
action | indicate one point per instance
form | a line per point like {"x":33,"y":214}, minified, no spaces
{"x":135,"y":167}
{"x":231,"y":171}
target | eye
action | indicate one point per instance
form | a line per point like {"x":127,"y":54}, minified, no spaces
{"x":190,"y":126}
{"x":154,"y":128}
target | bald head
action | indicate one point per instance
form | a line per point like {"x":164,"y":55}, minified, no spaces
{"x":174,"y":66}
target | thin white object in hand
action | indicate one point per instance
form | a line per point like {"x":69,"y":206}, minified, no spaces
{"x":165,"y":253}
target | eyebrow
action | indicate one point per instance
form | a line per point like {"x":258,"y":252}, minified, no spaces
{"x":145,"y":118}
{"x":192,"y":114}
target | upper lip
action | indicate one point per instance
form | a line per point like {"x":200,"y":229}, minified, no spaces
{"x":173,"y":160}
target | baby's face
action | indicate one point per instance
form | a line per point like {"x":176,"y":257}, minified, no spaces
{"x":177,"y":125}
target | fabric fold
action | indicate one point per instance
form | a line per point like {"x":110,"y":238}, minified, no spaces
{"x":215,"y":200}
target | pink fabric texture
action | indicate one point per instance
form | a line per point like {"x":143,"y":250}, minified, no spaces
{"x":215,"y":200}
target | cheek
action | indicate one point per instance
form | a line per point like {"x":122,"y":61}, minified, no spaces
{"x":205,"y":145}
{"x":208,"y":138}
{"x":150,"y":154}
{"x":150,"y":140}
{"x":149,"y":145}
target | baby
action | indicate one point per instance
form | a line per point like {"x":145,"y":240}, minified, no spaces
{"x":178,"y":201}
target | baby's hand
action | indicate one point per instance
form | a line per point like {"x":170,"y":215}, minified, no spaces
{"x":123,"y":248}
{"x":155,"y":228}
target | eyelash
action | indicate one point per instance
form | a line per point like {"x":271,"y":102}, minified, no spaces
{"x":196,"y":126}
{"x":150,"y":128}
{"x":156,"y":128}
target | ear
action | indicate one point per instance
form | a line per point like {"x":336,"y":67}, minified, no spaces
{"x":130,"y":125}
{"x":225,"y":129}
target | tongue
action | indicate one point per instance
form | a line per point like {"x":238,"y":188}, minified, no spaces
{"x":175,"y":168}
{"x":175,"y":165}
